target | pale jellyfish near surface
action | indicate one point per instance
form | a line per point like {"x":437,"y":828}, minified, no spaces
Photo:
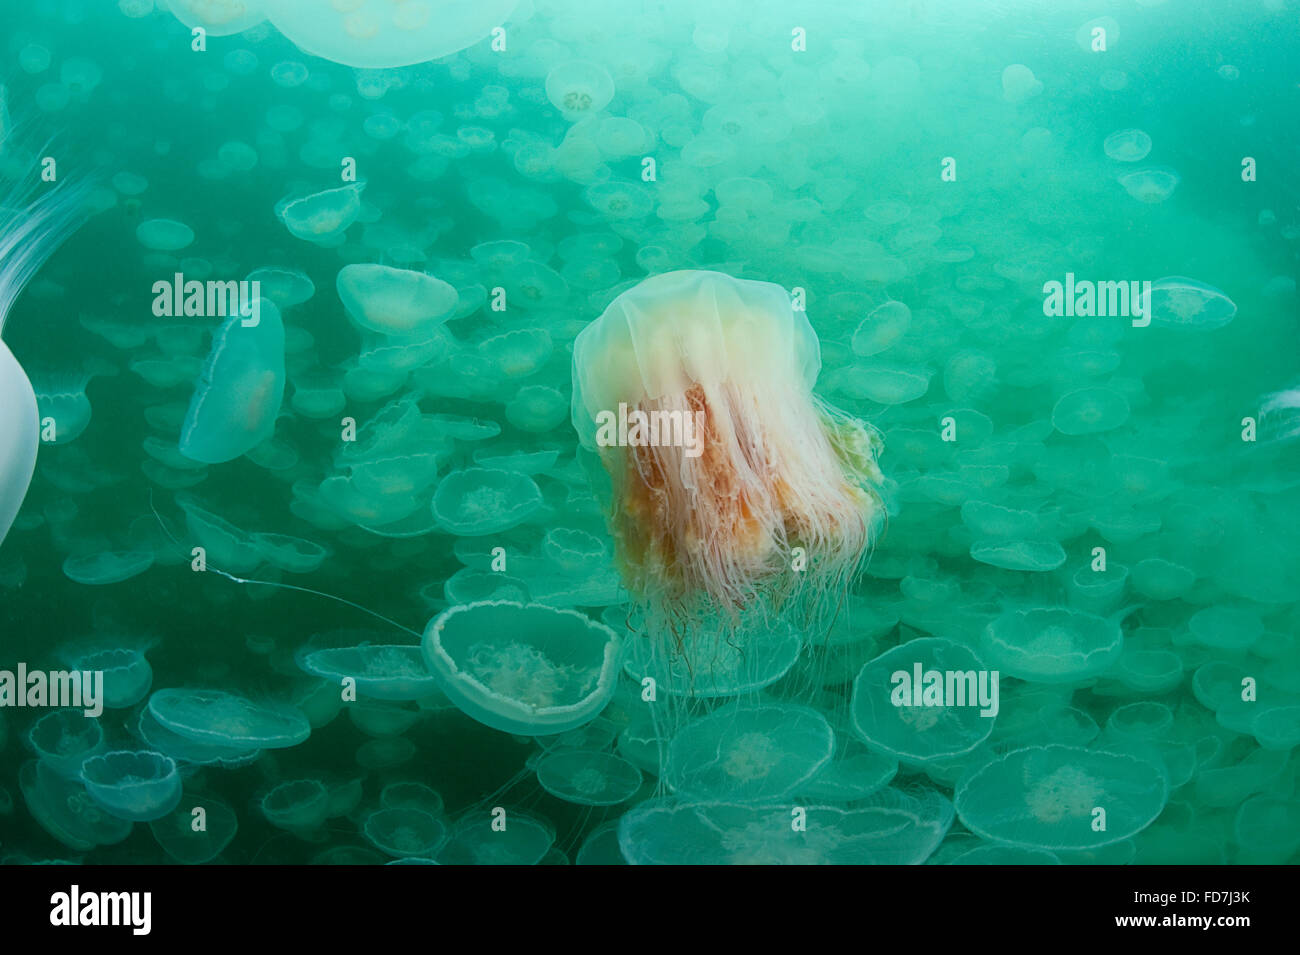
{"x":217,"y":17}
{"x":34,"y":221}
{"x":379,"y":34}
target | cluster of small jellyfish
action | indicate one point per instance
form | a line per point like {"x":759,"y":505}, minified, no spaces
{"x":614,"y":632}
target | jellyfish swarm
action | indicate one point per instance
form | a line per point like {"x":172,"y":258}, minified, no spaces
{"x":758,"y":492}
{"x":33,"y":223}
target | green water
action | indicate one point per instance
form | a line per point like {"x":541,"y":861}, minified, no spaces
{"x":272,"y":532}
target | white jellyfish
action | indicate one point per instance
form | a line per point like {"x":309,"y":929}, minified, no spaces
{"x":381,"y":33}
{"x":33,"y":223}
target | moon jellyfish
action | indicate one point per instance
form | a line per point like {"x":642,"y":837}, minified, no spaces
{"x":1098,"y":591}
{"x":1179,"y":302}
{"x":1150,"y":185}
{"x":289,"y":74}
{"x":588,"y":778}
{"x":34,"y":221}
{"x":291,"y":554}
{"x":284,"y":287}
{"x":724,"y":470}
{"x":164,"y":235}
{"x":139,"y":787}
{"x":395,"y":301}
{"x":620,"y":200}
{"x":411,"y":795}
{"x":918,"y":720}
{"x":537,"y":408}
{"x":382,"y":719}
{"x":882,"y":328}
{"x":881,"y":382}
{"x":127,"y":673}
{"x":62,"y":400}
{"x":704,"y":667}
{"x":523,"y":668}
{"x":64,"y":809}
{"x":298,"y":806}
{"x":1161,"y":579}
{"x":1048,"y":797}
{"x":749,"y":753}
{"x":474,"y":840}
{"x":188,"y":845}
{"x":1005,"y":855}
{"x":853,"y":774}
{"x":322,"y":217}
{"x":109,"y":567}
{"x":1225,"y":627}
{"x":887,"y":828}
{"x":238,"y":396}
{"x":63,"y":739}
{"x":217,"y":17}
{"x":379,"y":34}
{"x":533,"y":285}
{"x":476,"y":501}
{"x":1028,"y":555}
{"x":1127,"y":145}
{"x":223,"y":719}
{"x":1090,"y":411}
{"x":404,"y":832}
{"x":381,"y":672}
{"x":1052,"y":644}
{"x":579,"y":89}
{"x":228,"y":547}
{"x":601,"y":847}
{"x":159,"y":737}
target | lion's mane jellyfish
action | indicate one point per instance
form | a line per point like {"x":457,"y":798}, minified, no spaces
{"x":730,"y":485}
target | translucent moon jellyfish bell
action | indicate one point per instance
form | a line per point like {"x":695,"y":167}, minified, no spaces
{"x":523,"y":668}
{"x":237,"y":399}
{"x":726,"y":473}
{"x":35,"y":218}
{"x":380,"y":33}
{"x":136,"y":786}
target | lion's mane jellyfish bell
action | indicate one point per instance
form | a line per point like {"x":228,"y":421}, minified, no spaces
{"x":730,"y":484}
